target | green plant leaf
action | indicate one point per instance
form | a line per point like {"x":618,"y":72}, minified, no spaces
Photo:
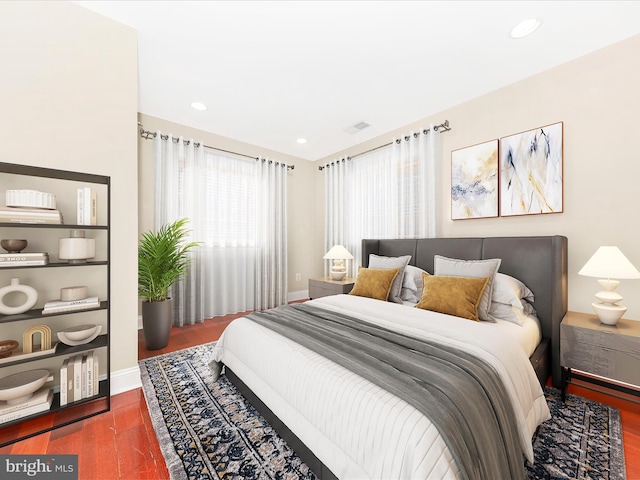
{"x":163,"y":258}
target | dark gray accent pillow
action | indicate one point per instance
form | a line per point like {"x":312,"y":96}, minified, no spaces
{"x":386,"y":263}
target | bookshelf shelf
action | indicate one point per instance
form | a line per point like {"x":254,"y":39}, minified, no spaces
{"x":64,"y":226}
{"x":61,"y":350}
{"x":43,"y":237}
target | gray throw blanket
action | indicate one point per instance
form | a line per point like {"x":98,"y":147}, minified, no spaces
{"x":461,"y":394}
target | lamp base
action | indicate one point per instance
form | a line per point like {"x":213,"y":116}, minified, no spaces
{"x":337,"y":275}
{"x":608,"y":313}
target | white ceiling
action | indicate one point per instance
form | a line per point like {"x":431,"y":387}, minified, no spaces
{"x":271,"y":72}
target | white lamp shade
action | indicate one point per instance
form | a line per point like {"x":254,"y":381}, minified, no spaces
{"x":338,"y":252}
{"x":609,"y":262}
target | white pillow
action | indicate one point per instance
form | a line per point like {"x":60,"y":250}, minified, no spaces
{"x":502,"y":311}
{"x":510,"y":313}
{"x":412,"y":284}
{"x":386,"y":263}
{"x":510,"y":291}
{"x":471,"y":268}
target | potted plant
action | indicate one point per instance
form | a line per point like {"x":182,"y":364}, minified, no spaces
{"x":162,"y":260}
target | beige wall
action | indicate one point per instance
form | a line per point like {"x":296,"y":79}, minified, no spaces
{"x":68,"y":100}
{"x":598,"y":99}
{"x":299,"y":201}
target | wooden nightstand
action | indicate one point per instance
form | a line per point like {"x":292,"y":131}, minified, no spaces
{"x":323,"y":287}
{"x":609,"y":351}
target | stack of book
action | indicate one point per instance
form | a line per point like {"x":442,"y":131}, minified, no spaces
{"x":55,"y":306}
{"x":23,"y":259}
{"x":87,"y":212}
{"x":30,"y":215}
{"x":79,"y":377}
{"x":38,"y":403}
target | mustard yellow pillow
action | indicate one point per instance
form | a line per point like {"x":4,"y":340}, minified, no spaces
{"x":459,"y":296}
{"x":374,"y":283}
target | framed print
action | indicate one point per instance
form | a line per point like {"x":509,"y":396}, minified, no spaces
{"x":474,"y":181}
{"x":531,"y":172}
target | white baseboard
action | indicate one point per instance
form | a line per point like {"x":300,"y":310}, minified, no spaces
{"x":299,"y":295}
{"x":125,"y":380}
{"x":139,"y":322}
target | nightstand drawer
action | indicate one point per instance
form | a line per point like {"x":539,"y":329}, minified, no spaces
{"x":602,"y":361}
{"x":622,"y":337}
{"x":588,"y":358}
{"x":587,"y":336}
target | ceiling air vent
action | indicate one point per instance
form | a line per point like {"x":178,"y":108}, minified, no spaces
{"x":357,"y":127}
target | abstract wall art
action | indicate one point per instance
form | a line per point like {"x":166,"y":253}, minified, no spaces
{"x":474,"y":181}
{"x":531,"y":172}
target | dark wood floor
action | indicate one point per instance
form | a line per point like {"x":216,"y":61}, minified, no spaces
{"x":121,"y":443}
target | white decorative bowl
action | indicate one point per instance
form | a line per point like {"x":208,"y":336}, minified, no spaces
{"x":79,"y":332}
{"x":30,"y":199}
{"x":19,"y":387}
{"x":79,"y":335}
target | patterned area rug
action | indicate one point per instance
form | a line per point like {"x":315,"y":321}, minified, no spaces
{"x":207,"y":430}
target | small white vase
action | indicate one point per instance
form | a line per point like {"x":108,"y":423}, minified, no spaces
{"x":77,"y":248}
{"x":16,"y":286}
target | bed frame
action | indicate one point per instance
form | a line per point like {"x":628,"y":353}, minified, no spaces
{"x":539,"y":262}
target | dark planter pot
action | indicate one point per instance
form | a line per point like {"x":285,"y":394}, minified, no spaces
{"x":157,"y":318}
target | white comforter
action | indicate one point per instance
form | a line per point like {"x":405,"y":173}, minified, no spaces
{"x":354,"y":427}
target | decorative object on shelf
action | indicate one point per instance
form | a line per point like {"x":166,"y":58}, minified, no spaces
{"x":40,"y":401}
{"x":608,"y":263}
{"x":31,"y":297}
{"x":80,"y":335}
{"x":13,"y":245}
{"x":19,"y":387}
{"x":69,"y":294}
{"x":18,"y":355}
{"x":57,"y":306}
{"x":531,"y":178}
{"x":30,"y":199}
{"x":30,"y":215}
{"x":338,"y":254}
{"x":10,"y":260}
{"x":45,"y":338}
{"x":474,"y":181}
{"x":7,"y":347}
{"x":77,"y":248}
{"x":87,"y":206}
{"x":163,"y":258}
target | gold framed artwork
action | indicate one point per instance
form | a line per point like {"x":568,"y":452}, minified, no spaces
{"x":531,"y":172}
{"x":474,"y":181}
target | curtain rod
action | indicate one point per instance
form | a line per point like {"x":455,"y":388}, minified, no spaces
{"x":147,"y":134}
{"x":444,"y":126}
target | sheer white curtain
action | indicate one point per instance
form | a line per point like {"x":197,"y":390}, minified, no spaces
{"x":388,"y":193}
{"x":271,"y":234}
{"x":220,"y":194}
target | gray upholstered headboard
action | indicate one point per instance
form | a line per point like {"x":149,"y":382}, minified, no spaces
{"x":539,"y":262}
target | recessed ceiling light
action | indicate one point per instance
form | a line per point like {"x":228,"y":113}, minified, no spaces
{"x":199,"y":106}
{"x":301,"y":140}
{"x":526,"y":27}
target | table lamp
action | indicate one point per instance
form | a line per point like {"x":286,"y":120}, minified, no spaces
{"x":338,"y":254}
{"x":608,"y":263}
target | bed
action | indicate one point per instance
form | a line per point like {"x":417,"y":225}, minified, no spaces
{"x":344,"y":426}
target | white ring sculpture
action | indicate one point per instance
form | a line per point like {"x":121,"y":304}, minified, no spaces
{"x":16,"y":286}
